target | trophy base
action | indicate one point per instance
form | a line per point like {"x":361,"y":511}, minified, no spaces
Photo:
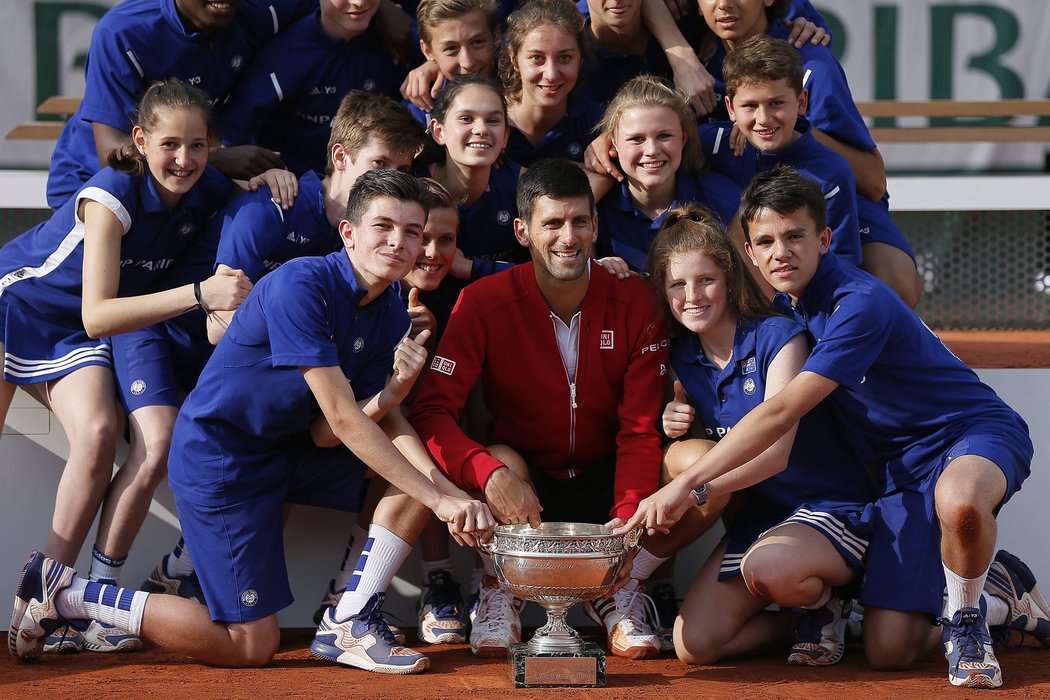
{"x":581,"y":669}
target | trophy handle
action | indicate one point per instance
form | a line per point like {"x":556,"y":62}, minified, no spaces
{"x":633,"y":539}
{"x":487,"y":547}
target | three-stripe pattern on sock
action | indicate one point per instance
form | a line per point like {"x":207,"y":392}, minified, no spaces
{"x":112,"y":605}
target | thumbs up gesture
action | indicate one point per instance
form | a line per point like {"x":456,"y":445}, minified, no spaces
{"x":421,"y":317}
{"x":678,"y":414}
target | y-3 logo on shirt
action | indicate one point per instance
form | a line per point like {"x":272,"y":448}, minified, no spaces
{"x":605,"y":341}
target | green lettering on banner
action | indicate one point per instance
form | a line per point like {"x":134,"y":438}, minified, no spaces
{"x":839,"y":36}
{"x":942,"y":49}
{"x":885,"y":58}
{"x":46,"y":18}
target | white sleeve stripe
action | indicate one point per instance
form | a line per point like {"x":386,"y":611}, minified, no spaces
{"x":277,"y":86}
{"x":831,"y":194}
{"x":276,"y":24}
{"x":280,"y":211}
{"x":718,"y":140}
{"x":135,"y":62}
{"x":805,"y":77}
{"x":107,"y":200}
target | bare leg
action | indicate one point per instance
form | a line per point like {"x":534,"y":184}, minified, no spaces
{"x":793,"y":565}
{"x":894,"y":640}
{"x":966,"y":496}
{"x":84,"y":404}
{"x":696,"y":521}
{"x":722,"y":619}
{"x":127,"y":502}
{"x":894,"y":267}
{"x":184,"y":627}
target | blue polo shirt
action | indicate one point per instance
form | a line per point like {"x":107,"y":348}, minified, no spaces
{"x":605,"y":71}
{"x":486,"y":227}
{"x":625,"y":232}
{"x":568,"y":139}
{"x":258,"y":236}
{"x":288,"y":105}
{"x":900,"y":386}
{"x":823,"y":469}
{"x":809,"y":158}
{"x":44,"y":266}
{"x":139,"y":42}
{"x":237,"y":430}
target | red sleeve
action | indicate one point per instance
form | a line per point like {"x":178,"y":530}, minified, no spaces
{"x":443,"y":392}
{"x":638,"y":441}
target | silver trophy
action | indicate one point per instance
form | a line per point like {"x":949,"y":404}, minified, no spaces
{"x":558,"y":565}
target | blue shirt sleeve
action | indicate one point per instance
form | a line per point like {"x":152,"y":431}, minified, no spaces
{"x":252,"y":228}
{"x":296,"y":311}
{"x":113,"y":84}
{"x":853,"y":339}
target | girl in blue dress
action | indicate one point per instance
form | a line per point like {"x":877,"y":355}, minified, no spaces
{"x":799,"y":530}
{"x":88,"y":273}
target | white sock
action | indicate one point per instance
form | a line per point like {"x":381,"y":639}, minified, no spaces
{"x":111,"y":605}
{"x":105,"y":568}
{"x":436,"y":565}
{"x":179,"y":562}
{"x":997,"y":610}
{"x":476,"y":574}
{"x":645,"y":563}
{"x":962,"y":592}
{"x":353,"y":552}
{"x":383,"y":554}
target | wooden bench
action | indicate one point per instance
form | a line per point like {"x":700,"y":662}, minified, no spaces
{"x":939,"y":109}
{"x":56,"y":105}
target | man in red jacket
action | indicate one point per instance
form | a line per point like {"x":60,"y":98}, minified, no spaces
{"x":572,"y":363}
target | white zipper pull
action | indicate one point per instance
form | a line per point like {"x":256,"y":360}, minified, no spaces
{"x":572,"y":394}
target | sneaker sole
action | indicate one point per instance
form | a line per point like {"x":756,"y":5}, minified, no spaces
{"x":121,"y":647}
{"x":802,"y":658}
{"x":345,"y":658}
{"x":978,"y":680}
{"x":444,"y":638}
{"x":636,"y":653}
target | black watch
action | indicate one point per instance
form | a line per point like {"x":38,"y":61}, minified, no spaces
{"x":700,"y":494}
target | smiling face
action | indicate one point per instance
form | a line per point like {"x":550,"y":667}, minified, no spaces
{"x":786,"y":248}
{"x":462,"y":46}
{"x":735,"y":21}
{"x":549,"y":64}
{"x":624,"y":16}
{"x":649,"y":143}
{"x":697,"y":292}
{"x":475,"y":128}
{"x":386,"y":243}
{"x":176,"y":151}
{"x":206,"y":16}
{"x":437,"y":251}
{"x":766,"y":113}
{"x":560,"y":236}
{"x":346,"y":19}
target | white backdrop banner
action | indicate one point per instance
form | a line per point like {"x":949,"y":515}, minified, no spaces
{"x":891,"y":49}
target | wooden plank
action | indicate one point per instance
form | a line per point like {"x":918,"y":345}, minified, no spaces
{"x":57,"y":104}
{"x":959,"y":134}
{"x":36,"y":131}
{"x":955,"y":108}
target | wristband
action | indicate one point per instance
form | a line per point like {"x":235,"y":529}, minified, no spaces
{"x":197,"y":295}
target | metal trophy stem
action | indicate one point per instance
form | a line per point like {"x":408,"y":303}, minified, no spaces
{"x":556,"y":635}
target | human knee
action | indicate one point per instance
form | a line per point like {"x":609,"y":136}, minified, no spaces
{"x":94,"y":434}
{"x":695,"y":649}
{"x":254,"y":651}
{"x":891,"y":656}
{"x":679,"y":456}
{"x":963,"y":518}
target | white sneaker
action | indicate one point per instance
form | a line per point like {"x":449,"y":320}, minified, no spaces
{"x":626,"y":617}
{"x":107,"y":638}
{"x":496,"y":620}
{"x":820,"y":635}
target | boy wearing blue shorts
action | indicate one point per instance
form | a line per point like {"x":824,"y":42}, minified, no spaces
{"x":318,"y":332}
{"x":290,"y":94}
{"x":951,"y":452}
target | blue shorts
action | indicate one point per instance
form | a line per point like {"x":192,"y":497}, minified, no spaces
{"x":876,"y":225}
{"x":160,"y":364}
{"x":904,"y":570}
{"x":847,"y":528}
{"x":40,"y":348}
{"x":238,"y":548}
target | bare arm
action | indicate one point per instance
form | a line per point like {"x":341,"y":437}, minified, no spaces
{"x":689,"y":74}
{"x":107,"y":140}
{"x":106,"y":314}
{"x":868,"y":167}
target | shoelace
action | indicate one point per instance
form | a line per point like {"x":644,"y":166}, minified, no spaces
{"x":635,"y":614}
{"x":494,"y":607}
{"x":442,"y":595}
{"x":373,"y":617}
{"x":969,"y":639}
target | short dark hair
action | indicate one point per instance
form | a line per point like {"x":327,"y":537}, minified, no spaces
{"x":782,"y":190}
{"x":551,"y":177}
{"x":384,"y":183}
{"x":762,"y":59}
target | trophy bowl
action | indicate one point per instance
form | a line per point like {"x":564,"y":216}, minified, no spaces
{"x":558,"y":565}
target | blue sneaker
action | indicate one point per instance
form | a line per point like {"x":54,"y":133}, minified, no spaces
{"x":188,"y":587}
{"x":364,"y":641}
{"x":34,"y":615}
{"x":331,"y":602}
{"x":968,"y":648}
{"x":440,"y":621}
{"x":1011,"y":580}
{"x":67,"y":639}
{"x":820,"y":635}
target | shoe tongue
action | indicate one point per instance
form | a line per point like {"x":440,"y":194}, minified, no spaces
{"x":437,"y":578}
{"x":968,"y":617}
